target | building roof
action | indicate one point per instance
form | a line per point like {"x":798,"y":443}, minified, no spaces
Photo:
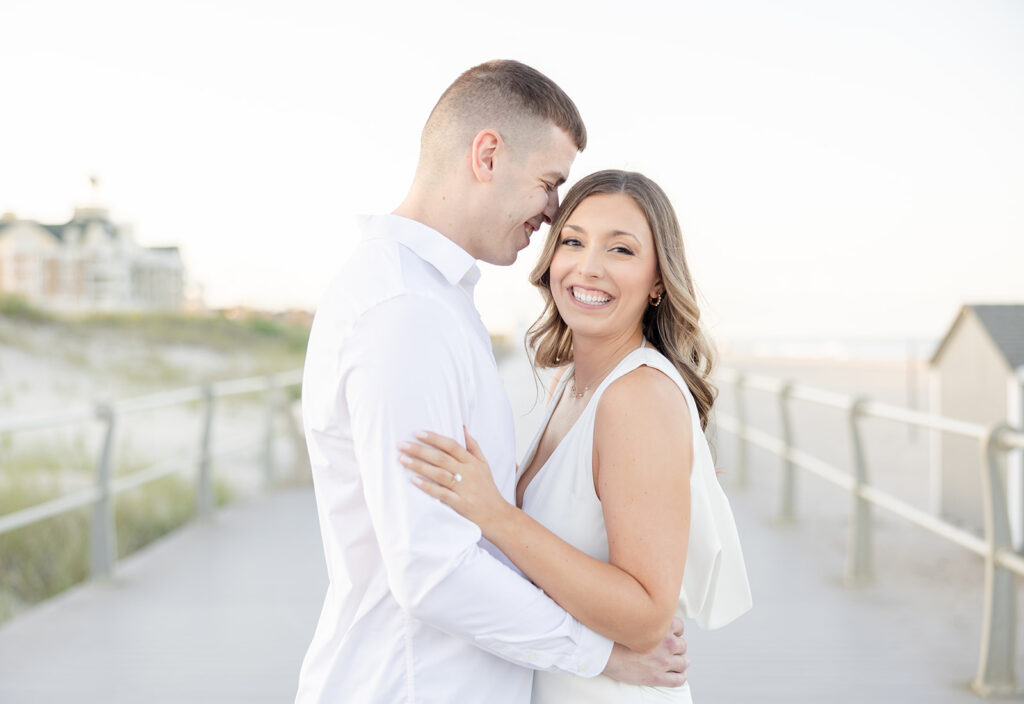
{"x":55,"y":230}
{"x":1005,"y":325}
{"x":60,"y":231}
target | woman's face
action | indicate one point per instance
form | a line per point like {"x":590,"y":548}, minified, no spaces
{"x":604,"y":268}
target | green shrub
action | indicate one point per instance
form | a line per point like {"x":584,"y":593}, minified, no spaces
{"x":16,"y":307}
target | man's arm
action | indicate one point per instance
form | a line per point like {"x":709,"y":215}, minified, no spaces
{"x":408,"y":372}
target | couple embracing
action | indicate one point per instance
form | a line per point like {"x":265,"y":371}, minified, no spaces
{"x":456,"y":575}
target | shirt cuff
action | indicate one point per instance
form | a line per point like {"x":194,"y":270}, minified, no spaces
{"x":594,"y":650}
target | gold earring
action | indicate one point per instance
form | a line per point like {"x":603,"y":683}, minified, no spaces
{"x":655,"y":302}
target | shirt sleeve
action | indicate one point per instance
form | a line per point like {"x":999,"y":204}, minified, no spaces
{"x":408,"y":370}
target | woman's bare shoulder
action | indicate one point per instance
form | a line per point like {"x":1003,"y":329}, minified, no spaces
{"x":645,"y":396}
{"x":642,"y":429}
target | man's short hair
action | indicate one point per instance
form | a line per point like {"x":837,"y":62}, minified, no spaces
{"x":504,"y":95}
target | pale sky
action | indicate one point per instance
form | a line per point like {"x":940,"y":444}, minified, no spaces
{"x":840,"y":168}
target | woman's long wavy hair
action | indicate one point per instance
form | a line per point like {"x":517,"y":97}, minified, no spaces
{"x":673,"y":327}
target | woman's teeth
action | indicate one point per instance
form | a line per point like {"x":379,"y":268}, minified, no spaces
{"x":588,"y":297}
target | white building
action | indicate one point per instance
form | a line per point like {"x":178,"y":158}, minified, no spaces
{"x":87,"y":264}
{"x":977,"y":375}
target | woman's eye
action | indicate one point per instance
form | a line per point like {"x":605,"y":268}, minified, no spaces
{"x":623,"y":250}
{"x":570,"y":241}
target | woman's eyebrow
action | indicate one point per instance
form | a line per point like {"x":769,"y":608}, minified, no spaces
{"x":616,"y":233}
{"x":613,"y":233}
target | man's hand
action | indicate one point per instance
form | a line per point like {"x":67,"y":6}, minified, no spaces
{"x":665,"y":666}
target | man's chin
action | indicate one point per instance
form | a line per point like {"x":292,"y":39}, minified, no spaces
{"x":503,"y":260}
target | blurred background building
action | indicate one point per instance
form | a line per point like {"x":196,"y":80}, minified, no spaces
{"x":977,"y":375}
{"x":89,"y":263}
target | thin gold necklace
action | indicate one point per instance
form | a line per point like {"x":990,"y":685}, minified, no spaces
{"x":572,"y":388}
{"x":586,"y":388}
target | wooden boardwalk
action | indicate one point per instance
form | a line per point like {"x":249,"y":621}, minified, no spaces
{"x":223,"y":610}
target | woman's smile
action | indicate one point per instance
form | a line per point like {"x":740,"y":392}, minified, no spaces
{"x":592,"y":298}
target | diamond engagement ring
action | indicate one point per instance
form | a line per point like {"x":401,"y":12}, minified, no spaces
{"x":456,"y":478}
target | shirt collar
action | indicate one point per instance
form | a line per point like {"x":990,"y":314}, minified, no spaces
{"x":456,"y":264}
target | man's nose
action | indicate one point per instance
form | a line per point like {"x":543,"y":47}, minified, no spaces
{"x":552,"y":207}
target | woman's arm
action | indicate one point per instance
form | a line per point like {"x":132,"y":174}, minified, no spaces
{"x":642,"y":462}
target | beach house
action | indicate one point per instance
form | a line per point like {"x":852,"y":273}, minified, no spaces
{"x":977,"y":375}
{"x":87,"y":264}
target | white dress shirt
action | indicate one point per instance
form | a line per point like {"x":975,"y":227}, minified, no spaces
{"x":419,"y":608}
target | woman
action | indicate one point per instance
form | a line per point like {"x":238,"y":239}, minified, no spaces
{"x":621,"y":519}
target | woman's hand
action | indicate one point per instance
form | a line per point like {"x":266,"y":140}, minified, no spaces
{"x":461,"y":478}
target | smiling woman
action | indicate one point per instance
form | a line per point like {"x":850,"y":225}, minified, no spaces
{"x":619,"y":516}
{"x":623,"y":227}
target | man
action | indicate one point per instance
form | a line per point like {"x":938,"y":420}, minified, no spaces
{"x":419,"y":607}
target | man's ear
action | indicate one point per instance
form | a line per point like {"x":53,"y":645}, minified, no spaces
{"x":485,"y":145}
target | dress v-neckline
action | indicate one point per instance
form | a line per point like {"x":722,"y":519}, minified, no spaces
{"x":532,"y":452}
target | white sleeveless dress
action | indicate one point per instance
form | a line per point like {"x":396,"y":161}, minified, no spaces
{"x":561,"y":496}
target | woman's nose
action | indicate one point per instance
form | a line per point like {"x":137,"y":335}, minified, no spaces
{"x":590,"y":262}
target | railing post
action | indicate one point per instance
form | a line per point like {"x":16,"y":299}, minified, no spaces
{"x":742,"y":476}
{"x":860,"y":567}
{"x":103,"y":536}
{"x":204,"y":499}
{"x":301,"y":467}
{"x":999,"y":625}
{"x":268,"y":437}
{"x":787,"y":505}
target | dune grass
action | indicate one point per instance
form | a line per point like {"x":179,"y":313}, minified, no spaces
{"x":211,"y":330}
{"x":43,"y":559}
{"x":46,"y":557}
{"x":278,"y":340}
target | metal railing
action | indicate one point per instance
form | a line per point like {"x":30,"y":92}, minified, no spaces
{"x":996,"y":675}
{"x":100,"y":496}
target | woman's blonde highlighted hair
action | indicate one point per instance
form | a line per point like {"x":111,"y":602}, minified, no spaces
{"x":673,"y":327}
